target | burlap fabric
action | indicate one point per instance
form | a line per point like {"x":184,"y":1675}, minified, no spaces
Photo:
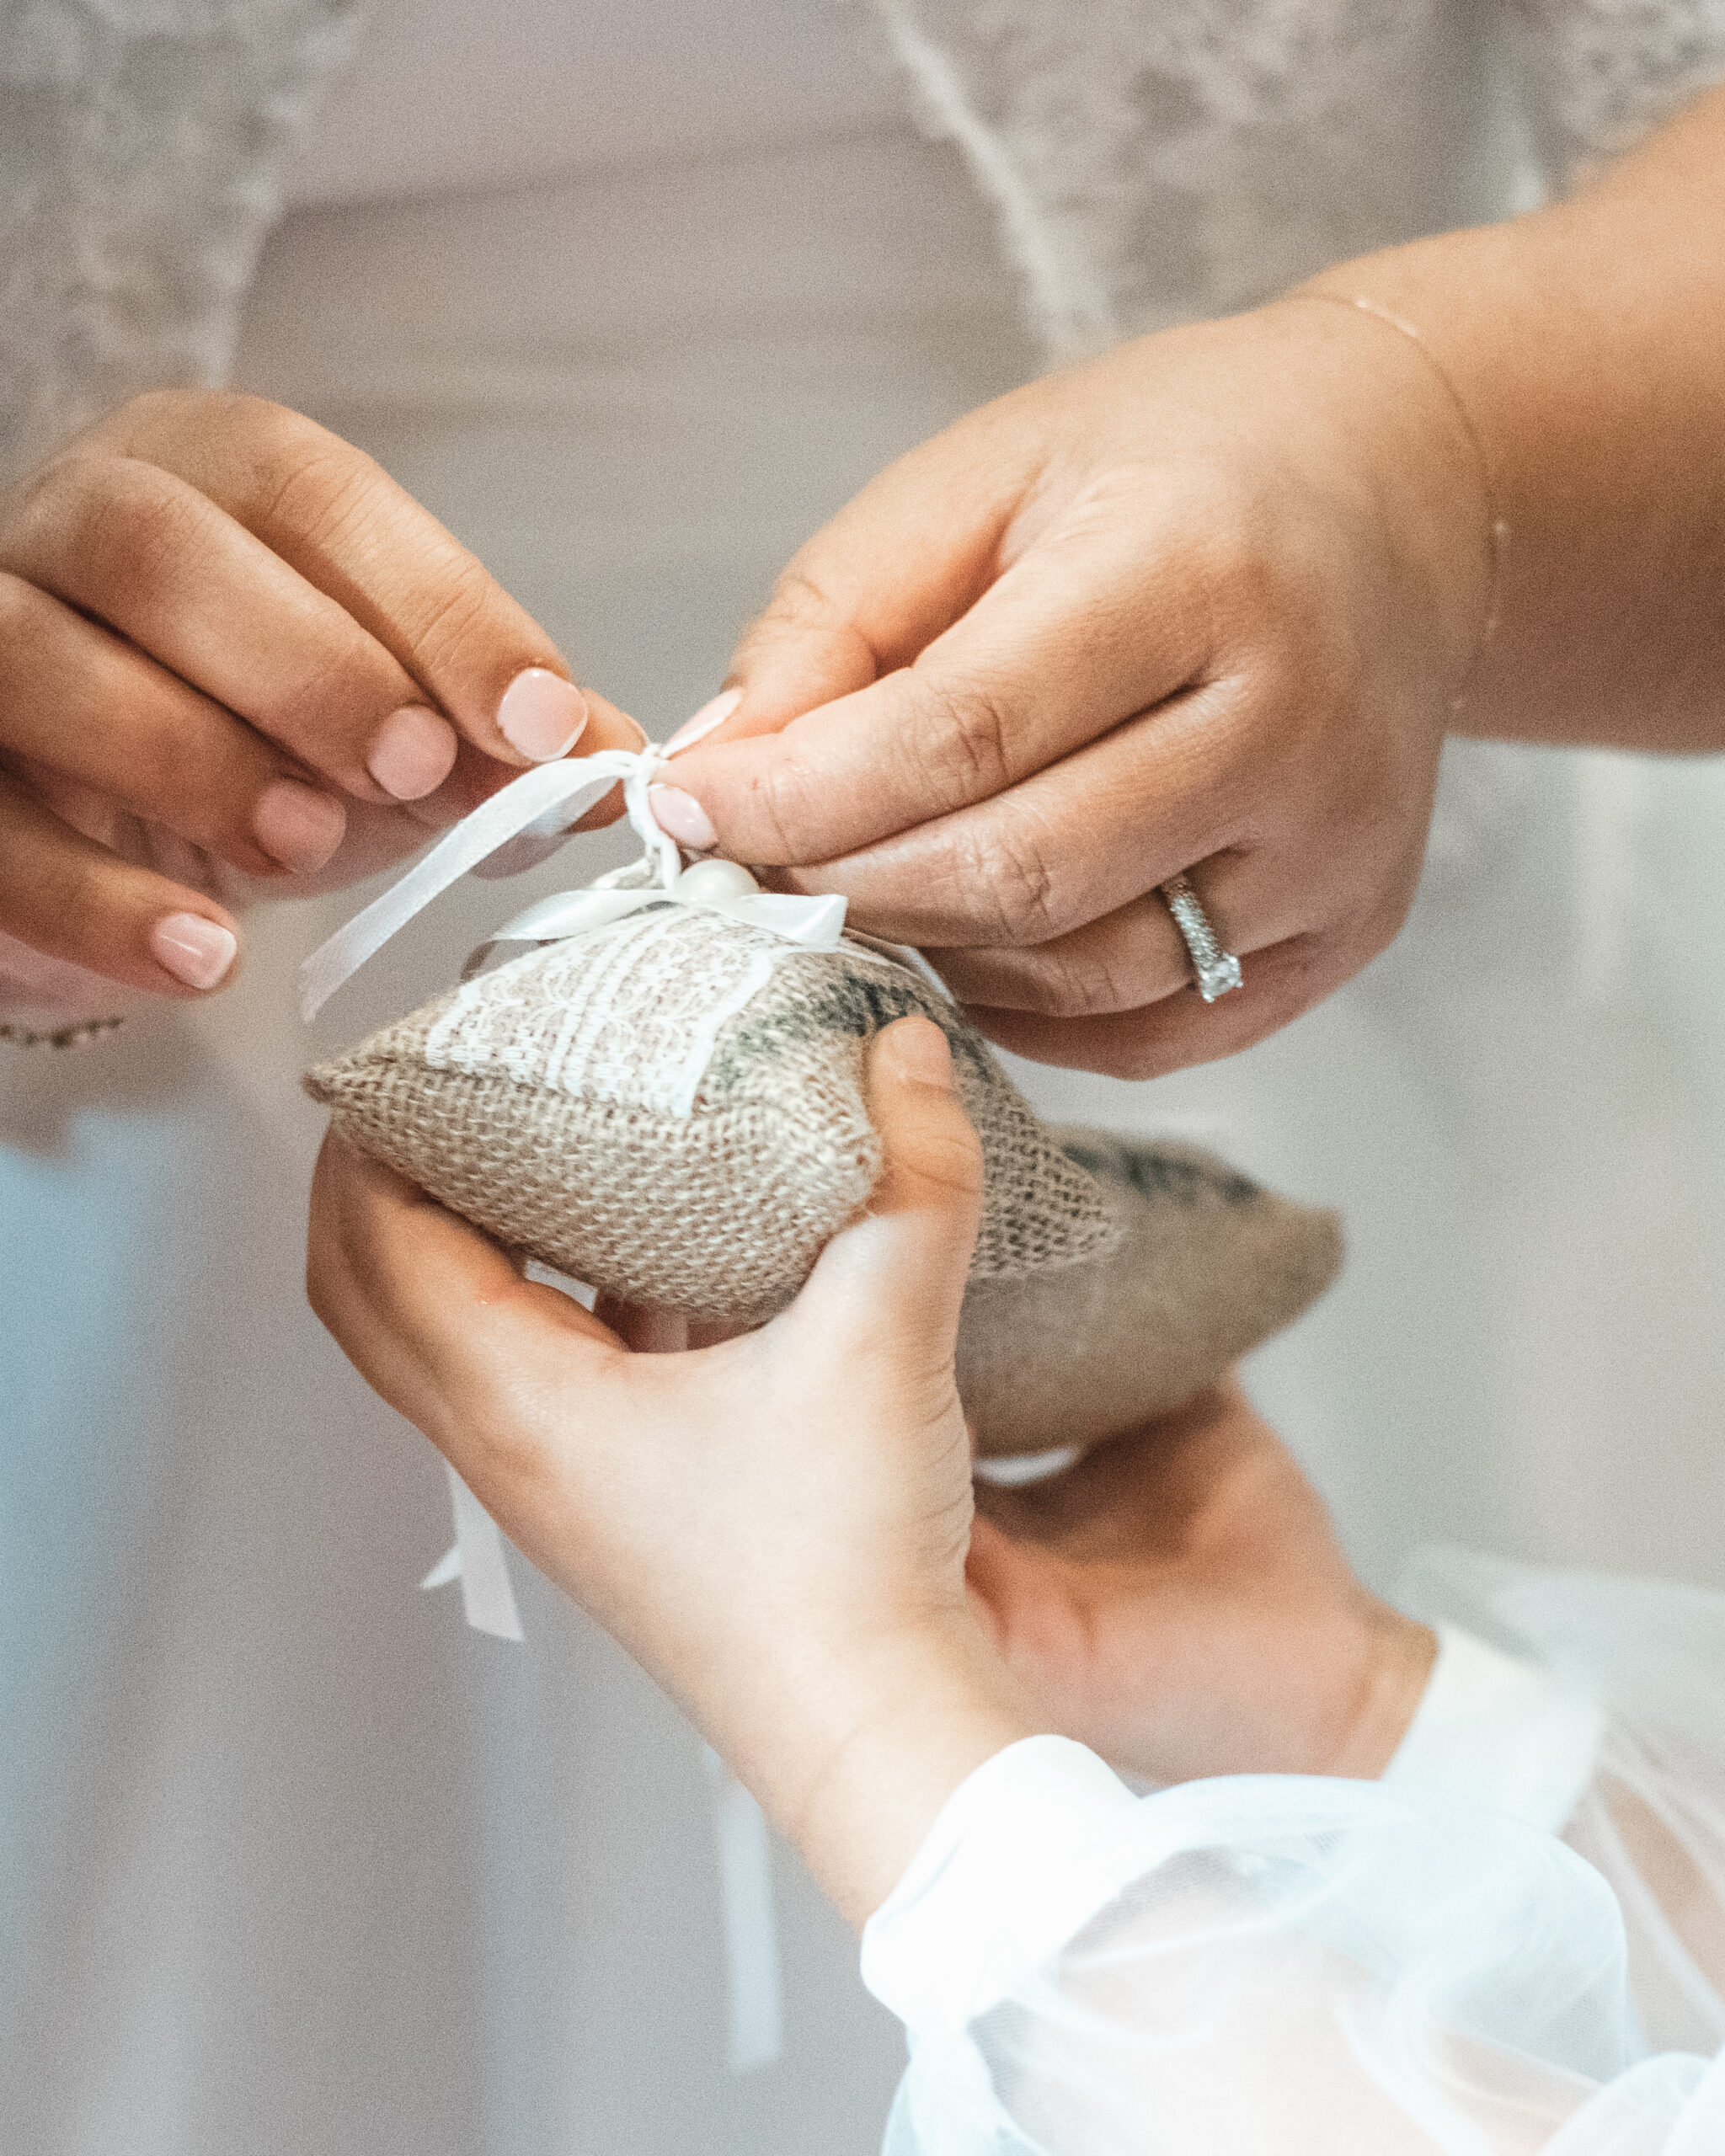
{"x":1208,"y":1265}
{"x":671,"y":1109}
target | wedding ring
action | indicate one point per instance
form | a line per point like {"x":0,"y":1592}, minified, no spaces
{"x":1216,"y":971}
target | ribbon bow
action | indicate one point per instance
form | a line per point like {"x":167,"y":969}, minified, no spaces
{"x":545,"y":801}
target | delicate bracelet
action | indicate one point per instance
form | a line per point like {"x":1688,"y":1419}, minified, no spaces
{"x":1497,"y":525}
{"x":78,"y":1036}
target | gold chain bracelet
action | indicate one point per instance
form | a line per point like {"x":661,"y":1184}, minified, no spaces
{"x":1497,"y":525}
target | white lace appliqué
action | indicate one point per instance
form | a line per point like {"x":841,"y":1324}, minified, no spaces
{"x":1154,"y":162}
{"x":139,"y":142}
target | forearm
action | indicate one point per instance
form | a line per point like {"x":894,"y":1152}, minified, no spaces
{"x":1586,"y":343}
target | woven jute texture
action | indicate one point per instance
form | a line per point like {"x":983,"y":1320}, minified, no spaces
{"x":1208,"y":1265}
{"x":671,"y":1109}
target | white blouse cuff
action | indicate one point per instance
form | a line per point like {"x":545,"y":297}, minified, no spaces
{"x":1495,"y":1731}
{"x":1023,"y":1855}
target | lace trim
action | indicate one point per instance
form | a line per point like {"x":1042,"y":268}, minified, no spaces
{"x":1152,"y":163}
{"x":139,"y":142}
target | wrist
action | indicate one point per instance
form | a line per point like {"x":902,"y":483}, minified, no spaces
{"x":854,"y":1755}
{"x":1582,"y":340}
{"x":1394,"y":1668}
{"x":1429,"y":479}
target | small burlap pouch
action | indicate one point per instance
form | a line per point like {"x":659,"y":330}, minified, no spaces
{"x":670,"y":1108}
{"x":1208,"y":1264}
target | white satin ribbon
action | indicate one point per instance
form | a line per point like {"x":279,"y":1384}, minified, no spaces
{"x":478,"y":1561}
{"x":756,"y":2035}
{"x":549,"y":799}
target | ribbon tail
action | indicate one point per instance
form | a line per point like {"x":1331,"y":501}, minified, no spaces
{"x":572,"y":784}
{"x":757,"y":2031}
{"x":448,"y":1567}
{"x":487,"y":1595}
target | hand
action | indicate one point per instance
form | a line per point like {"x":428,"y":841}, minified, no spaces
{"x":1178,"y":1601}
{"x":774,"y":1526}
{"x":1201,"y":605}
{"x":234,"y":656}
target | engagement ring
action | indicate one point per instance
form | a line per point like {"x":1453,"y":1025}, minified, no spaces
{"x":1217,"y":971}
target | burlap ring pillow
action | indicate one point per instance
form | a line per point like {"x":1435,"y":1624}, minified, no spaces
{"x":671,"y":1107}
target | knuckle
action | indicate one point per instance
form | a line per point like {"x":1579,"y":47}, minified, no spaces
{"x":802,"y":616}
{"x":306,"y":481}
{"x":459,"y":607}
{"x":322,"y":711}
{"x":123,"y":523}
{"x":779,"y":800}
{"x":962,"y":743}
{"x":799,"y":601}
{"x":1085,"y":984}
{"x":1017,"y":884}
{"x":951,"y":1159}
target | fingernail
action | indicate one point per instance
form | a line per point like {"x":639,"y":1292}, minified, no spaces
{"x":707,"y":720}
{"x":411,"y":753}
{"x":194,"y":950}
{"x":297,"y":825}
{"x":923,"y":1055}
{"x":680,"y":816}
{"x":542,"y":715}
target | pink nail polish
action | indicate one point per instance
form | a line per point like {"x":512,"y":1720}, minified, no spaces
{"x":194,"y":950}
{"x":542,"y":715}
{"x":707,"y":720}
{"x":680,"y":816}
{"x":411,"y":753}
{"x":297,"y":825}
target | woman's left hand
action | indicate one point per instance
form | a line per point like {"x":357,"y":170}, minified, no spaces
{"x":1178,"y":1601}
{"x":776,"y":1525}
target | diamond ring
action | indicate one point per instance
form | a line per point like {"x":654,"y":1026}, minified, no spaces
{"x":1217,"y":971}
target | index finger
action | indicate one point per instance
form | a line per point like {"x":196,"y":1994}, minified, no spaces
{"x":333,"y":513}
{"x":1078,"y":636}
{"x":422,"y":1304}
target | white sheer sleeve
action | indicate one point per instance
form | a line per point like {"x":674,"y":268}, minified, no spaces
{"x":1263,"y":1964}
{"x":1650,"y":1812}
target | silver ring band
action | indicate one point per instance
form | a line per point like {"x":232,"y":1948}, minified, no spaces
{"x":1216,"y":971}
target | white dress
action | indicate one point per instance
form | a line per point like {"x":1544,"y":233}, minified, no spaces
{"x":633,"y":299}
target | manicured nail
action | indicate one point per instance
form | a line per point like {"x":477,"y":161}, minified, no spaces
{"x":194,"y":950}
{"x":542,"y":715}
{"x":297,"y":825}
{"x":411,"y":753}
{"x":707,"y":720}
{"x":923,"y":1056}
{"x":681,"y":816}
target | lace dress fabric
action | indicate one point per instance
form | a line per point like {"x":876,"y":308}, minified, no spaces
{"x":1150,"y":163}
{"x":139,"y":146}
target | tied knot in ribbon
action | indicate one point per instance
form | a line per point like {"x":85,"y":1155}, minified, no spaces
{"x":544,"y":803}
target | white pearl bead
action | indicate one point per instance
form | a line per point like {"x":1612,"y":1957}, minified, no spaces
{"x":711,"y":880}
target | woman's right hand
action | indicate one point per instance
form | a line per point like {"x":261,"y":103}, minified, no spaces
{"x":232,"y":648}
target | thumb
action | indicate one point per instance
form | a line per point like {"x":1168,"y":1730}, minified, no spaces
{"x":898,"y":565}
{"x":808,"y":648}
{"x":896,"y":1274}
